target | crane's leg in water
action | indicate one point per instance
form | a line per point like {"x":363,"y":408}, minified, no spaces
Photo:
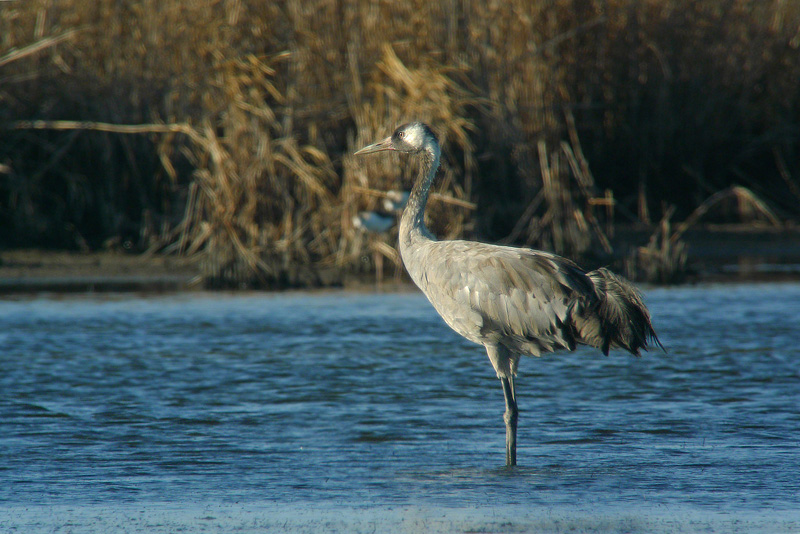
{"x":510,"y":418}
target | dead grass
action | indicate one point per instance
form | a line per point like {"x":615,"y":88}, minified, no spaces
{"x":557,"y":118}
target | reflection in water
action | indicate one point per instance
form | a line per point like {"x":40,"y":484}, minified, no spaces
{"x":339,"y":401}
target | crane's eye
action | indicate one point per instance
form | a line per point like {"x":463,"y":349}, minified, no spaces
{"x":401,"y":134}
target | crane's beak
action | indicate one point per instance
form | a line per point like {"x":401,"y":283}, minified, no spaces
{"x":386,"y":144}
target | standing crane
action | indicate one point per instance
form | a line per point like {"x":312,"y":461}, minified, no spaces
{"x":513,"y":301}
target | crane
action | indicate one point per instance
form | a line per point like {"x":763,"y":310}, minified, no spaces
{"x":513,"y":301}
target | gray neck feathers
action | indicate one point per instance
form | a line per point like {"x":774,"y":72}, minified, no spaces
{"x":413,"y":220}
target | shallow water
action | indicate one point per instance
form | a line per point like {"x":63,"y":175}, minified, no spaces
{"x":361,"y":412}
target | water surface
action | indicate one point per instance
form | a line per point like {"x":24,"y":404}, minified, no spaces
{"x":361,"y":412}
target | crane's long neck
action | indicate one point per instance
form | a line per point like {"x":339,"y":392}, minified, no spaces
{"x":412,"y":224}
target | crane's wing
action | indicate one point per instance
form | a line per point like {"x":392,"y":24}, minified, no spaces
{"x":529,"y":301}
{"x":520,"y":298}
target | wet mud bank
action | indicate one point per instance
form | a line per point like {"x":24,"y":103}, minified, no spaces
{"x":716,"y":254}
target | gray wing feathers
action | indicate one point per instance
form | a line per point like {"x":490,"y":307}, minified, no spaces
{"x":515,"y":297}
{"x":530,"y":301}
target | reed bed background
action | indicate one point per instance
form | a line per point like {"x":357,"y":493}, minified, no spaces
{"x":224,"y":129}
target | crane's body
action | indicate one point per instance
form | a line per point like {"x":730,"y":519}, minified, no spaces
{"x":513,"y":301}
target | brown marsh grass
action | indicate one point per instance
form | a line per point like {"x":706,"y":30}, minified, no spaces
{"x":224,"y":129}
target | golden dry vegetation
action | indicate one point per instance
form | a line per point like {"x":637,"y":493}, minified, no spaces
{"x":223,"y":129}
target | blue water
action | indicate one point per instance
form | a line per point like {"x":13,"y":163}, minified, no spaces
{"x":348,"y":412}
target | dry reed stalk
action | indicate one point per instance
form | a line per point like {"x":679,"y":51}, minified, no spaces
{"x":38,"y":46}
{"x":106,"y":127}
{"x":749,"y":207}
{"x":663,"y":260}
{"x":565,"y":227}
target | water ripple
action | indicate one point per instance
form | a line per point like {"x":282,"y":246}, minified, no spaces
{"x":317,"y":399}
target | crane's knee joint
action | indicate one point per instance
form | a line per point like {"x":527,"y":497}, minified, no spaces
{"x":510,"y":416}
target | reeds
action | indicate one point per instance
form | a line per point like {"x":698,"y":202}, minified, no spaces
{"x":554,"y":115}
{"x":663,"y":259}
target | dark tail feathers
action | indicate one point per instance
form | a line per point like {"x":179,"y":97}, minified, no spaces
{"x":619,"y":319}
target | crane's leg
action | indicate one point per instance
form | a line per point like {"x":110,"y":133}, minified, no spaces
{"x":510,"y":418}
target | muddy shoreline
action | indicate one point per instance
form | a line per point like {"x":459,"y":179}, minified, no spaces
{"x":716,"y":254}
{"x":46,"y":271}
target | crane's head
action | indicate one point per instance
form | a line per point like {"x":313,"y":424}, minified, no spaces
{"x":408,"y":138}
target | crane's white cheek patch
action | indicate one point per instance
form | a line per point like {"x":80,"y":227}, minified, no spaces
{"x":414,"y":137}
